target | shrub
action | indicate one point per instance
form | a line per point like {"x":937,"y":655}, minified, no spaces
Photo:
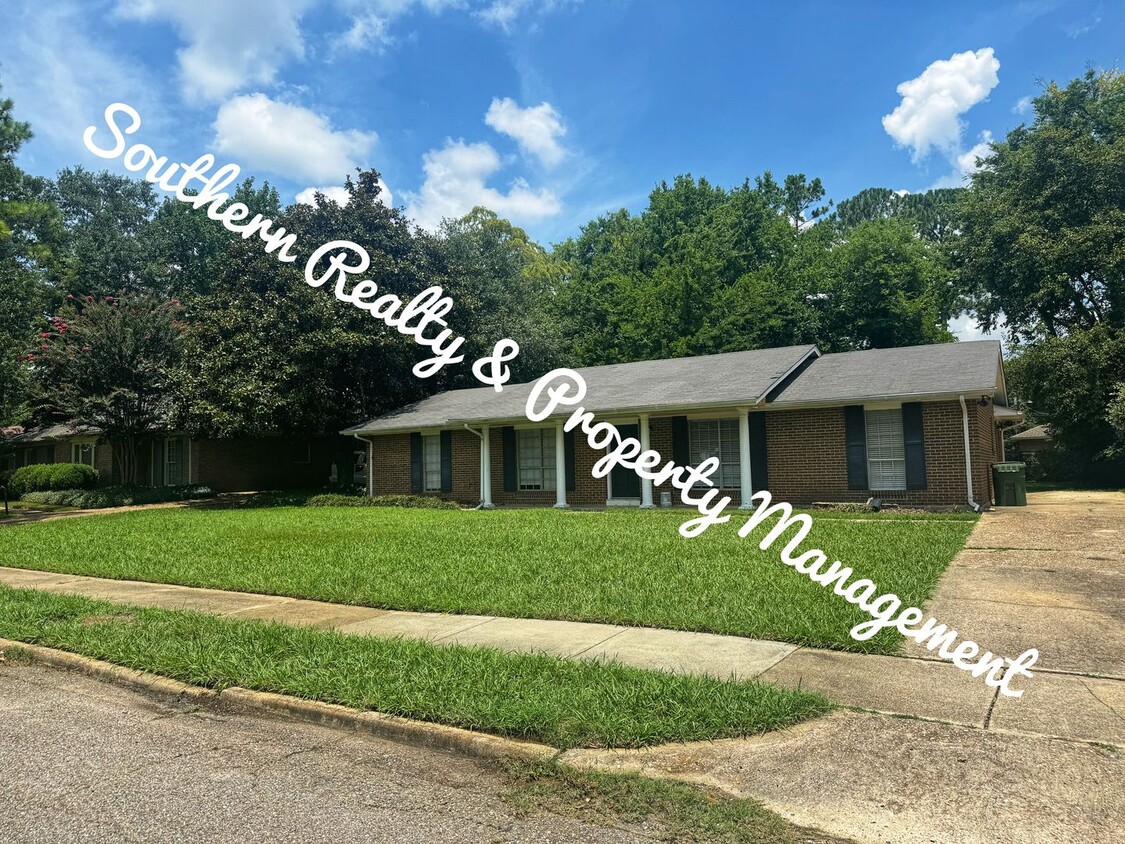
{"x":118,"y":496}
{"x":421,"y":501}
{"x":52,"y":476}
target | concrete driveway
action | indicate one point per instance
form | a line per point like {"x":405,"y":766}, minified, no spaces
{"x":1046,"y":768}
{"x":1049,"y":576}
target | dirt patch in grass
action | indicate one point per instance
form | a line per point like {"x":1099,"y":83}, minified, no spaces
{"x":666,"y":811}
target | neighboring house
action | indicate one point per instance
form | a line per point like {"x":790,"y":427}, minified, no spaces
{"x":1031,"y":441}
{"x":175,"y":459}
{"x":910,"y":425}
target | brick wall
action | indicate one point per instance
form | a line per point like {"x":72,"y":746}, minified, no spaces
{"x":264,"y":463}
{"x":806,"y":457}
{"x":588,"y":490}
{"x":391,"y":466}
{"x":103,"y":459}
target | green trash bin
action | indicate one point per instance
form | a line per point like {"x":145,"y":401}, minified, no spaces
{"x":1010,"y":482}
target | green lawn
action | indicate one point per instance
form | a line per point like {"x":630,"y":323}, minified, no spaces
{"x":628,"y":567}
{"x":542,"y":698}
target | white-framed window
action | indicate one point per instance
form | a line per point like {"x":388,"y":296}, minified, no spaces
{"x":174,"y":462}
{"x":535,"y":458}
{"x":82,"y":453}
{"x":717,"y":438}
{"x":886,"y":454}
{"x":431,"y":462}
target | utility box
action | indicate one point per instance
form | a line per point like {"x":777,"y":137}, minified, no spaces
{"x":1010,"y":482}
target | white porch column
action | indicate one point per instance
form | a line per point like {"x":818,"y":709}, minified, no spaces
{"x":646,"y":483}
{"x":744,"y":457}
{"x":485,"y":469}
{"x":560,"y":467}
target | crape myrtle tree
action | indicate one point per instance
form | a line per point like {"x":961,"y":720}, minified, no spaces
{"x":1043,"y":249}
{"x":110,"y":363}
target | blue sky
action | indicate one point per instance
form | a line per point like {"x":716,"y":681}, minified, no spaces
{"x":554,"y":111}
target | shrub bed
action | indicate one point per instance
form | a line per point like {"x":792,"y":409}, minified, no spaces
{"x":51,"y":476}
{"x":118,"y":496}
{"x":421,"y":501}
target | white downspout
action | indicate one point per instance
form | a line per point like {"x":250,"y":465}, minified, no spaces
{"x":968,"y":458}
{"x":369,"y":447}
{"x":485,"y":468}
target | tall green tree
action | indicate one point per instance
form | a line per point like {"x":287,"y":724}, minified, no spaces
{"x":105,"y":215}
{"x":504,"y":283}
{"x":884,"y":287}
{"x":29,"y":223}
{"x":1043,"y":240}
{"x":266,"y":353}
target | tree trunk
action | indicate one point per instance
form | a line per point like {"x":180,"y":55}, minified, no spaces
{"x":125,"y":458}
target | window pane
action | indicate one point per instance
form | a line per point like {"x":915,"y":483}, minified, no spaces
{"x":886,"y":454}
{"x":535,"y":458}
{"x":431,"y":461}
{"x":717,"y":438}
{"x":174,"y":458}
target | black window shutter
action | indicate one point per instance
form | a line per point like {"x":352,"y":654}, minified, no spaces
{"x":915,"y":445}
{"x":759,"y":477}
{"x":447,"y":461}
{"x":855,"y":440}
{"x":568,"y":439}
{"x":508,"y":439}
{"x":681,"y":447}
{"x":417,"y":484}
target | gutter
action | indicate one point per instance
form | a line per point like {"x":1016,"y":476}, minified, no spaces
{"x":480,"y":436}
{"x":968,"y":460}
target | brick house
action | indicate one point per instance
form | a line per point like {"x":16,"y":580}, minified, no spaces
{"x":917,"y":426}
{"x":174,"y":459}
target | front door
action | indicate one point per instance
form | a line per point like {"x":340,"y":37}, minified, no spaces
{"x":625,"y":483}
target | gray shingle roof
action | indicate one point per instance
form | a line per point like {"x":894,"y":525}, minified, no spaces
{"x":50,"y":433}
{"x":735,"y":378}
{"x":1039,"y":432}
{"x":726,"y":379}
{"x":972,"y":368}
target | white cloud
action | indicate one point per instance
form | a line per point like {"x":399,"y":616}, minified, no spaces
{"x":289,"y":140}
{"x":340,"y":195}
{"x":536,"y":129}
{"x":229,"y":44}
{"x":503,"y":14}
{"x":967,"y":161}
{"x":966,"y":328}
{"x":371,"y":20}
{"x":929,"y":116}
{"x":456,"y":180}
{"x":1022,"y":106}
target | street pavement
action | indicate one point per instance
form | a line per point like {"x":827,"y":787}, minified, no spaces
{"x":86,"y":761}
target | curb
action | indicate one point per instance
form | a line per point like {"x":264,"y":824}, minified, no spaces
{"x":140,"y":681}
{"x":249,"y":702}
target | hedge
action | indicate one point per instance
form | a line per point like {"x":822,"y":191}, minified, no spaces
{"x":421,"y":501}
{"x":51,"y":476}
{"x":118,"y":496}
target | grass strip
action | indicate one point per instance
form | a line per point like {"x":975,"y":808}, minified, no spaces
{"x":669,"y":811}
{"x":530,"y":696}
{"x":618,"y":567}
